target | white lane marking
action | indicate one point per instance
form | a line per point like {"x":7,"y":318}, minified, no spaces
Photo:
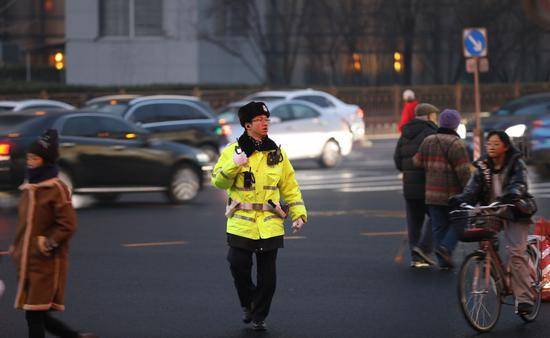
{"x":381,"y":188}
{"x":139,"y":245}
{"x":349,"y":185}
{"x":350,"y":180}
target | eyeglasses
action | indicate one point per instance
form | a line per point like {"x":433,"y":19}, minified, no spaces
{"x":261,"y":120}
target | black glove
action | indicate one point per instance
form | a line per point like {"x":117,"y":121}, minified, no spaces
{"x":455,"y":202}
{"x":508,"y":198}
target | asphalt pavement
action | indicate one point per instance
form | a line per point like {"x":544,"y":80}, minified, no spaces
{"x":143,"y":268}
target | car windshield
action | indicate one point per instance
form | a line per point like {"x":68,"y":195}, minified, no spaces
{"x":24,"y":123}
{"x":113,"y":107}
{"x":267,"y":98}
{"x":512,"y":108}
{"x":229,"y":116}
{"x":6,"y":108}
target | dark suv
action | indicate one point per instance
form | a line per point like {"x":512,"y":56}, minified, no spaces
{"x":182,"y":119}
{"x":102,"y":155}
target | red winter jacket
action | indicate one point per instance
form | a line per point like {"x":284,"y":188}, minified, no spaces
{"x":407,"y":114}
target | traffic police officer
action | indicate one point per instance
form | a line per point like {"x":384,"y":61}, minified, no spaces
{"x":258,"y":177}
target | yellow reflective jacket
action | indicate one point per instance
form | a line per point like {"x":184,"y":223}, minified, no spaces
{"x":274,"y":183}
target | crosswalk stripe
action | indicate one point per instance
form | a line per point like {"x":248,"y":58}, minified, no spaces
{"x":539,"y":191}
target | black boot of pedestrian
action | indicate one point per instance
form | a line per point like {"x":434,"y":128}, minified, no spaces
{"x":259,"y":325}
{"x":525,"y":309}
{"x":247,"y":316}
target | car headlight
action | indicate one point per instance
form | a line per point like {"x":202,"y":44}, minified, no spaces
{"x":202,"y":158}
{"x":516,"y":131}
{"x":461,"y":130}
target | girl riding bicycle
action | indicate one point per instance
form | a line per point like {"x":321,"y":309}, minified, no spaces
{"x":502,"y":177}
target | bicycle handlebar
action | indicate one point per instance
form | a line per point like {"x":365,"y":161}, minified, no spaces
{"x":494,"y":205}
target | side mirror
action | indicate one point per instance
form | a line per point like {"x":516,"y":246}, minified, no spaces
{"x":275,"y":119}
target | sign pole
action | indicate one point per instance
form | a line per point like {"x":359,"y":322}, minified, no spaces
{"x":478,"y":135}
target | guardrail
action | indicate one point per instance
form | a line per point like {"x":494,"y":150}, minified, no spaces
{"x":382,"y":105}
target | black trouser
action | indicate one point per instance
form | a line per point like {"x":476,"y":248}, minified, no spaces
{"x":257,"y":298}
{"x":39,"y":321}
{"x":419,"y":235}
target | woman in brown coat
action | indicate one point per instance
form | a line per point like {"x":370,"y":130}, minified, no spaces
{"x":47,"y":221}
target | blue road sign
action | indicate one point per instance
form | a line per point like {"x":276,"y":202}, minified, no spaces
{"x":475,"y":42}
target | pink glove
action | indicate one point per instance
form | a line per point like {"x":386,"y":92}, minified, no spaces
{"x":297,"y":225}
{"x":240,"y":159}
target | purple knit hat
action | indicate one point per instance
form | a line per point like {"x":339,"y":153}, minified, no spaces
{"x":449,"y":119}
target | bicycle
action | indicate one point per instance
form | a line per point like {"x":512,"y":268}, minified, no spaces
{"x":484,"y":282}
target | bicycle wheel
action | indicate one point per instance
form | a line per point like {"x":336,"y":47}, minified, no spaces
{"x":532,"y":253}
{"x":479,"y":296}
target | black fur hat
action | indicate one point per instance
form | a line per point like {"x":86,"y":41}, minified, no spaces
{"x":251,"y":110}
{"x":46,"y":146}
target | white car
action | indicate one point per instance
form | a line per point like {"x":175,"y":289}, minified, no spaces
{"x":302,"y":129}
{"x":14,"y":106}
{"x":351,"y":112}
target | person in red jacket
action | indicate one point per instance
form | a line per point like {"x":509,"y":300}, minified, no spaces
{"x":407,"y":114}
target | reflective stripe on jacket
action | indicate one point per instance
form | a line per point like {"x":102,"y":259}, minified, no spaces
{"x":274,"y":183}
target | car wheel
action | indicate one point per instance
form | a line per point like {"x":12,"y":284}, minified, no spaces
{"x":211,"y":151}
{"x":184,"y":184}
{"x":65,"y":177}
{"x":106,"y":198}
{"x":331,"y":155}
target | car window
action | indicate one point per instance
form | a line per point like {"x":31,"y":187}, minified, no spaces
{"x":81,"y":126}
{"x":113,"y":107}
{"x":113,"y":126}
{"x":304,"y":112}
{"x":229,"y":117}
{"x":41,"y":106}
{"x":8,"y":122}
{"x":178,"y":112}
{"x":115,"y":129}
{"x":284,"y":112}
{"x":516,"y":105}
{"x":267,"y":98}
{"x":321,"y":101}
{"x":535,"y":110}
{"x":145,"y":114}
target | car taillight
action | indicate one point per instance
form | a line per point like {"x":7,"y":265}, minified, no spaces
{"x":226,"y":130}
{"x":360,"y":113}
{"x":538,"y":123}
{"x":5,"y":149}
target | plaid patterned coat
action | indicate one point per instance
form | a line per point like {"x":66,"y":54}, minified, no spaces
{"x":447,"y":165}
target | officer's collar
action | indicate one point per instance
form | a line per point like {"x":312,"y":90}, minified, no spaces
{"x":250,"y":145}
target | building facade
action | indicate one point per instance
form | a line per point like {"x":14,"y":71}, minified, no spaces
{"x":140,"y":42}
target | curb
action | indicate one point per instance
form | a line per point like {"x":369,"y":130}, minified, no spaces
{"x":392,"y":136}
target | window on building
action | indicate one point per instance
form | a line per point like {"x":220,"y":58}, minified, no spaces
{"x":130,"y":18}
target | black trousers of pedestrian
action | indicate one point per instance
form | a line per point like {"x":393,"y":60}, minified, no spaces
{"x":40,"y":321}
{"x":419,"y":235}
{"x":257,"y":298}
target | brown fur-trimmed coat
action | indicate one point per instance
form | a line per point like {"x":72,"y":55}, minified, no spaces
{"x":45,"y":209}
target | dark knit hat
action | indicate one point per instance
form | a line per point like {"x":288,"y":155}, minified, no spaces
{"x":425,"y":109}
{"x":46,"y":146}
{"x":449,"y":119}
{"x":251,"y":110}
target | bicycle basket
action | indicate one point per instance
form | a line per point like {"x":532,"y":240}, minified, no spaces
{"x":471,"y":226}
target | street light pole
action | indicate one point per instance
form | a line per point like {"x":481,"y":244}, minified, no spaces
{"x":478,"y":134}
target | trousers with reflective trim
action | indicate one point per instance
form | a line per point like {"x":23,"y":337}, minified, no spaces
{"x":255,"y":297}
